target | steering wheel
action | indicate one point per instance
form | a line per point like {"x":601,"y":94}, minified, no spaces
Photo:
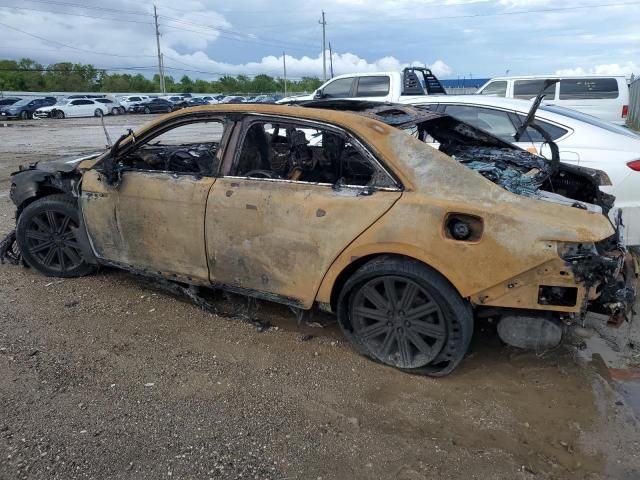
{"x":260,"y":174}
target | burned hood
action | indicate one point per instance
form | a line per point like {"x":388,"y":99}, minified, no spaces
{"x":58,"y":175}
{"x":64,"y":165}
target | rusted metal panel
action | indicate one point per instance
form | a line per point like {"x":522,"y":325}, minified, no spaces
{"x":520,"y":234}
{"x":154,"y":221}
{"x":281,"y":237}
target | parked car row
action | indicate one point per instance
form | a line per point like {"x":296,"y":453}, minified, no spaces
{"x":97,"y":105}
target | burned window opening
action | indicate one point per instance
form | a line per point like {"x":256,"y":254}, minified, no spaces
{"x":304,"y":153}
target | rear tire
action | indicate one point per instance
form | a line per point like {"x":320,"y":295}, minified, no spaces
{"x":115,"y":111}
{"x":46,"y":236}
{"x":147,"y":110}
{"x":98,"y":113}
{"x":24,"y":115}
{"x":400,"y":312}
{"x":58,"y":114}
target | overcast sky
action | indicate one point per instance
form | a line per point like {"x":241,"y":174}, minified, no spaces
{"x":457,"y":38}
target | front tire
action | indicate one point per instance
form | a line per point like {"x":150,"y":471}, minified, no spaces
{"x":24,"y":115}
{"x":58,"y":114}
{"x":98,"y":113}
{"x":115,"y":111}
{"x":147,"y":110}
{"x":46,"y":236}
{"x":404,"y":314}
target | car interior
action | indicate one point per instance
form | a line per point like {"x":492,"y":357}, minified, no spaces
{"x":304,"y":154}
{"x":187,"y":149}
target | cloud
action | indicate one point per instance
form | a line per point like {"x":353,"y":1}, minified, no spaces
{"x":605,"y":69}
{"x":296,"y":66}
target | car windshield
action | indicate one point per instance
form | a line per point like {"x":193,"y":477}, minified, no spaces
{"x":20,"y":103}
{"x":583,"y":117}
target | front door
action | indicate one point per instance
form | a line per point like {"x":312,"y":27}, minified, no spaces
{"x":154,"y":220}
{"x":295,"y":196}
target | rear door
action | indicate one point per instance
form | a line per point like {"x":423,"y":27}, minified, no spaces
{"x":374,"y":88}
{"x":293,"y":196}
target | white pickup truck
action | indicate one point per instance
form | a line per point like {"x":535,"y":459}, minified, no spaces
{"x":408,"y":86}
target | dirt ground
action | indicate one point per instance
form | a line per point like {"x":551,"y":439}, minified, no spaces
{"x":109,"y":377}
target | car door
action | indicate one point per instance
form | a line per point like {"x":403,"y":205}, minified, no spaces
{"x":338,"y":88}
{"x":154,"y":220}
{"x":74,"y":109}
{"x":374,"y":88}
{"x":288,"y":205}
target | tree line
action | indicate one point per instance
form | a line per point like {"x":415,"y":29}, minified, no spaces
{"x":30,"y":76}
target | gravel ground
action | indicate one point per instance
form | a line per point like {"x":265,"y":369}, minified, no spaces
{"x":109,"y":377}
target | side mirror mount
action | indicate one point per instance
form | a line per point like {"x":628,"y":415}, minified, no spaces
{"x":318,"y":95}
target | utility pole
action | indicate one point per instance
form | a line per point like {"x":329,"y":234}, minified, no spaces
{"x":160,"y":72}
{"x":324,"y":47}
{"x":284,"y":66}
{"x":330,"y":60}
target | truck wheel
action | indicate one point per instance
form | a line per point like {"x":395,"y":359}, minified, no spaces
{"x":402,"y":313}
{"x":46,"y":236}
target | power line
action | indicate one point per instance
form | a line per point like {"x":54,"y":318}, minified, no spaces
{"x":69,"y":46}
{"x":233,"y":32}
{"x":221,"y":35}
{"x":499,"y":14}
{"x":77,"y":15}
{"x":89,"y":7}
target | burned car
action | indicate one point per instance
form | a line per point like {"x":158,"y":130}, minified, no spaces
{"x":351,"y":212}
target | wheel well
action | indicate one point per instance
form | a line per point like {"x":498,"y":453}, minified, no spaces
{"x":43,"y":191}
{"x":354,"y":266}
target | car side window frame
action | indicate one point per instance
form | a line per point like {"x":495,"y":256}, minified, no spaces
{"x":515,"y":118}
{"x":242,"y":127}
{"x":140,"y":142}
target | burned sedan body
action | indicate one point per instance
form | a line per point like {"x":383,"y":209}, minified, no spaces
{"x":351,"y":212}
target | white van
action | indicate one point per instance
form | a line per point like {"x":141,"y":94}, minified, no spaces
{"x":605,"y":97}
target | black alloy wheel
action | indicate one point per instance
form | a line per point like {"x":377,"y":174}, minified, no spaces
{"x":398,"y":321}
{"x":401,"y":312}
{"x":46,"y":235}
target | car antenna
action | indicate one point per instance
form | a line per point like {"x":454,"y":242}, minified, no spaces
{"x":534,"y":108}
{"x":109,"y":143}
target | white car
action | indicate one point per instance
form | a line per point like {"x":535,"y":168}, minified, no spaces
{"x":115,"y":108}
{"x":605,"y":97}
{"x":129,"y":100}
{"x":582,"y":140}
{"x":77,"y":107}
